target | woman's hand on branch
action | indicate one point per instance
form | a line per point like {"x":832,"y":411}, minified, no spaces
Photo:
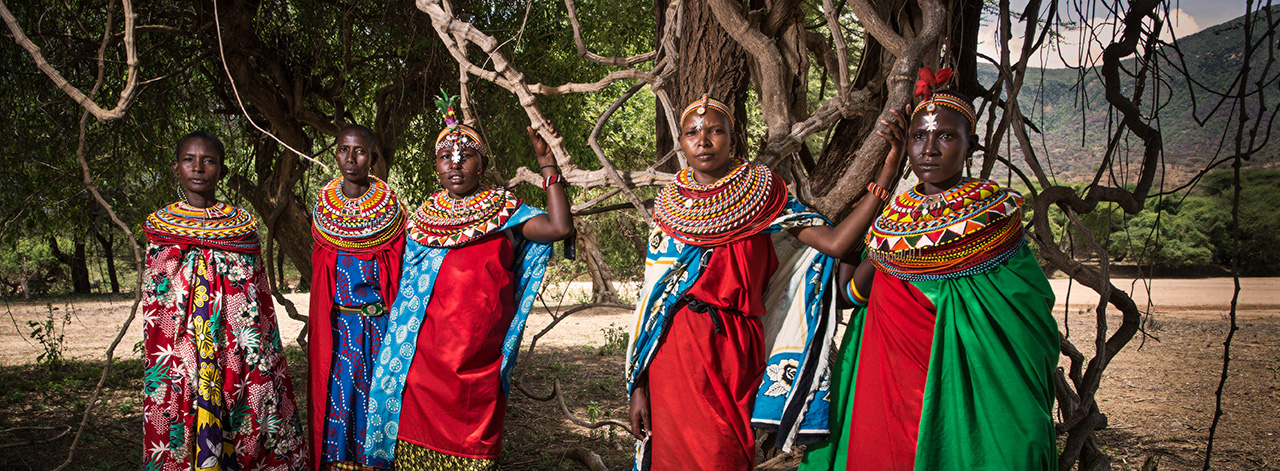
{"x":640,"y":421}
{"x":837,"y":241}
{"x":541,"y":149}
{"x":557,"y":224}
{"x":896,"y":135}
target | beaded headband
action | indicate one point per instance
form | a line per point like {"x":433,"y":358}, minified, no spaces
{"x":931,"y":99}
{"x":459,"y":135}
{"x":700,"y":106}
{"x":455,"y":135}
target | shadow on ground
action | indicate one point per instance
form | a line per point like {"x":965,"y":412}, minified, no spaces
{"x":41,"y":405}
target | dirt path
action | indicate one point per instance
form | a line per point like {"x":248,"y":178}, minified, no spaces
{"x":1158,"y":395}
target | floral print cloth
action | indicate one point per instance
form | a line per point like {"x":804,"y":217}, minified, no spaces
{"x":217,"y":389}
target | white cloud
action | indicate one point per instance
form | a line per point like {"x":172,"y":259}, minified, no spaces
{"x":1080,"y":45}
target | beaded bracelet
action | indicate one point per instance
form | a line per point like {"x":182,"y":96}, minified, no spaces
{"x":878,"y":191}
{"x":551,"y":180}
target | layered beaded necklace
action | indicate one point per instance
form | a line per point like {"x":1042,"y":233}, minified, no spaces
{"x":966,"y":229}
{"x":222,"y":224}
{"x":443,"y":221}
{"x":737,"y":205}
{"x":357,"y":223}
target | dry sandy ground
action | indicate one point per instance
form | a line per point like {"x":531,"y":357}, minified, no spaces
{"x":1158,"y":394}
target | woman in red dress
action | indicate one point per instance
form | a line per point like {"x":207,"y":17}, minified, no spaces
{"x":474,"y":259}
{"x":358,"y":230}
{"x":703,"y":354}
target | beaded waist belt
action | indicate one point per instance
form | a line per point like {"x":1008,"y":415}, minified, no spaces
{"x":368,"y":310}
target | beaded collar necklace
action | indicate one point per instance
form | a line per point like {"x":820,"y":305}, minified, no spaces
{"x":219,"y":226}
{"x":443,"y":221}
{"x":217,"y":222}
{"x":966,"y":229}
{"x":737,"y":205}
{"x":357,"y":223}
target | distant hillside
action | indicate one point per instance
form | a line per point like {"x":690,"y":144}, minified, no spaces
{"x":1052,"y":100}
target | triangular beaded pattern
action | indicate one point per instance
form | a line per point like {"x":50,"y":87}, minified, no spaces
{"x":445,"y":222}
{"x":977,"y":225}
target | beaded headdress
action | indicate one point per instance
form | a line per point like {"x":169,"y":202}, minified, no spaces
{"x":455,"y":135}
{"x":931,"y":99}
{"x":700,"y":107}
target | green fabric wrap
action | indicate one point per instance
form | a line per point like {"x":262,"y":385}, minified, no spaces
{"x":988,"y":398}
{"x":834,"y":454}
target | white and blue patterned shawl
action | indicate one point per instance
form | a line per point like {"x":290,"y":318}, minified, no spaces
{"x":421,"y":265}
{"x":799,"y":326}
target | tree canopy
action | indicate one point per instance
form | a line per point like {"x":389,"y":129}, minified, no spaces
{"x":1101,"y":149}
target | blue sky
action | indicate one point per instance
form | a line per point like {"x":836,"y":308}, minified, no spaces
{"x":1187,"y":17}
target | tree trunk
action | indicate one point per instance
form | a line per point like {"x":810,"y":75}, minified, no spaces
{"x":602,"y":288}
{"x":108,"y":251}
{"x":281,"y":280}
{"x":839,"y":155}
{"x":276,"y":98}
{"x":711,"y":62}
{"x":76,"y":261}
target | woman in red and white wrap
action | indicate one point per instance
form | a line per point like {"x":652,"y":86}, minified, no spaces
{"x":712,"y":353}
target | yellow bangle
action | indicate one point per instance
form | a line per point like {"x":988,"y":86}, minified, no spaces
{"x":854,"y":295}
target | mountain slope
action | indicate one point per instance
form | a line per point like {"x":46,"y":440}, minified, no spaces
{"x":1076,"y":127}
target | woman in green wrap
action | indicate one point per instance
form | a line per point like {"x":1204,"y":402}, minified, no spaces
{"x":947,"y":360}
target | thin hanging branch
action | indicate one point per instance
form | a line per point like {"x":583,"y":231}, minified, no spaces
{"x":596,"y":58}
{"x":1243,"y":117}
{"x":594,"y":142}
{"x":130,"y":90}
{"x":245,"y":112}
{"x":138,"y":264}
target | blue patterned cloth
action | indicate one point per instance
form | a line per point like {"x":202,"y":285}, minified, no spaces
{"x":799,"y":327}
{"x":421,"y":265}
{"x":356,"y":341}
{"x":356,"y":281}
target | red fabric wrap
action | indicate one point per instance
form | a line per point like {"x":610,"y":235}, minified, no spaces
{"x":320,"y":324}
{"x":453,"y":400}
{"x":893,"y":362}
{"x":248,"y":244}
{"x":702,"y":384}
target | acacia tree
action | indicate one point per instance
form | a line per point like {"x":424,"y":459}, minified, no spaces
{"x":704,"y":46}
{"x":300,"y":85}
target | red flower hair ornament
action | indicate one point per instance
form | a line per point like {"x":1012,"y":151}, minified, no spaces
{"x":930,"y":81}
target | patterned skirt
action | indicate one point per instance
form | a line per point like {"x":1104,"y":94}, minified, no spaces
{"x":217,"y":389}
{"x":357,"y":336}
